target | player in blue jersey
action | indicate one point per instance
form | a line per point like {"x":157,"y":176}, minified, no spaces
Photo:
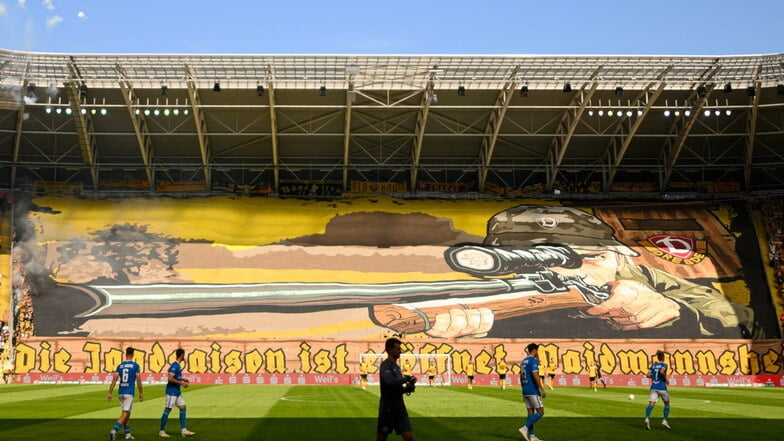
{"x":392,"y":413}
{"x":128,"y":374}
{"x":533,"y":391}
{"x":174,"y":396}
{"x":658,"y":375}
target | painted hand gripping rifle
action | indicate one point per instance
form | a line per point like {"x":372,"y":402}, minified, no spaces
{"x":409,"y":307}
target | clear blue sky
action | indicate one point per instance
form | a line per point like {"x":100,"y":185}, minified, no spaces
{"x":689,"y":27}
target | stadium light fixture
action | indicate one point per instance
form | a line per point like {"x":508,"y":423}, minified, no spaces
{"x":639,"y":112}
{"x":706,"y":112}
{"x":146,"y":112}
{"x":687,"y":113}
{"x":667,"y":113}
{"x":717,"y":112}
{"x":68,"y":111}
{"x":323,"y":91}
{"x":728,"y":88}
{"x":567,"y":88}
{"x":185,"y":112}
{"x":629,"y":113}
{"x":176,"y":112}
{"x":156,"y":112}
{"x":103,"y":111}
{"x":619,"y":114}
{"x":619,"y":91}
{"x":728,"y":112}
{"x":751,"y":91}
{"x":48,"y":110}
{"x":524,"y":91}
{"x":93,"y":111}
{"x":461,"y":91}
{"x":166,"y":112}
{"x":259,"y":90}
{"x":83,"y":111}
{"x":590,"y":112}
{"x":216,"y":87}
{"x":677,"y":113}
{"x":58,"y":110}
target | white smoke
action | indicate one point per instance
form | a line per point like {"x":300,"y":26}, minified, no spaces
{"x":30,"y":99}
{"x":81,"y":15}
{"x":48,"y":4}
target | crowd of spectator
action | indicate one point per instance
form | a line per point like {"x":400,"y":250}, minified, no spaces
{"x":22,"y":301}
{"x":773,"y":213}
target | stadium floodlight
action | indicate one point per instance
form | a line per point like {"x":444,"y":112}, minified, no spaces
{"x":717,"y":112}
{"x":146,"y":112}
{"x":687,"y":113}
{"x":216,"y":87}
{"x":728,"y":112}
{"x":677,"y":113}
{"x":67,"y":110}
{"x":176,"y":112}
{"x":639,"y":112}
{"x":524,"y":91}
{"x":619,"y":91}
{"x":323,"y":91}
{"x":156,"y":112}
{"x":136,"y":111}
{"x":751,"y":91}
{"x":185,"y":112}
{"x":701,"y":91}
{"x":629,"y":113}
{"x":780,"y":89}
{"x":619,"y":114}
{"x":601,"y":112}
{"x":58,"y":110}
{"x":48,"y":110}
{"x":728,"y":88}
{"x":103,"y":111}
{"x":259,"y":90}
{"x":166,"y":112}
{"x":706,"y":113}
{"x":590,"y":113}
{"x":164,"y":90}
{"x":83,"y":111}
{"x":567,"y":88}
{"x":667,"y":113}
{"x":93,"y":111}
{"x":461,"y":91}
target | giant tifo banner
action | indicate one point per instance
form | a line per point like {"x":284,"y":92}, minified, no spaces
{"x":260,"y":270}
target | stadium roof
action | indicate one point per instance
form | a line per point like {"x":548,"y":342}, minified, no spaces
{"x":504,"y":119}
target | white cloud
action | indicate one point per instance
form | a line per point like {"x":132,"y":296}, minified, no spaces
{"x":48,"y":4}
{"x":53,"y":21}
{"x":81,"y":15}
{"x":22,"y":3}
{"x":3,"y":9}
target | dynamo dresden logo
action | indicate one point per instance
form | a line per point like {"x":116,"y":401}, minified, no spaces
{"x":676,"y":249}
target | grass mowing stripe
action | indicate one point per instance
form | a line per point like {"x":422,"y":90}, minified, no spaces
{"x":438,"y":414}
{"x":31,"y":393}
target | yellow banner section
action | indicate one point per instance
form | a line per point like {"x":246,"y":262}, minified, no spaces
{"x":5,"y":288}
{"x":45,"y":187}
{"x":378,"y":187}
{"x":705,"y":357}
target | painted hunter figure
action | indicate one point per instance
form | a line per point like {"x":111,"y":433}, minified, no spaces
{"x":584,"y":277}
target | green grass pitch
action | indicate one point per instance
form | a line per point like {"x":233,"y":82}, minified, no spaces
{"x":348,"y":413}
